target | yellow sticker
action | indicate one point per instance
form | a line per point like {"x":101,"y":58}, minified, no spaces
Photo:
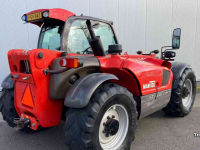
{"x":35,"y":16}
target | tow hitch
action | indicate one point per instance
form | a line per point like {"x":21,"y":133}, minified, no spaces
{"x":21,"y":123}
{"x":26,"y":121}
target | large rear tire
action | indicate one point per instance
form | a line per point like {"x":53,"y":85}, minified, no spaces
{"x":7,"y":107}
{"x":183,"y":96}
{"x":108,"y":122}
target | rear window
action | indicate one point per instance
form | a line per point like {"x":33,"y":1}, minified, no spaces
{"x":50,"y":37}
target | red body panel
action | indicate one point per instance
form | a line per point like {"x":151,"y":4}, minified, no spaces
{"x":134,"y":71}
{"x":56,"y":13}
{"x":45,"y":110}
{"x":145,"y":72}
{"x":113,"y":64}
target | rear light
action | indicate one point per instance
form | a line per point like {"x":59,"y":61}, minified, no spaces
{"x":45,"y":14}
{"x":24,"y":17}
{"x":71,"y":62}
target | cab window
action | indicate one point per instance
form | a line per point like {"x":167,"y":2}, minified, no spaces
{"x":105,"y":33}
{"x":78,"y":39}
{"x":79,"y":36}
{"x":50,"y":37}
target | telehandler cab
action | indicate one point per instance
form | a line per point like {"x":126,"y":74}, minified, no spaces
{"x":79,"y":74}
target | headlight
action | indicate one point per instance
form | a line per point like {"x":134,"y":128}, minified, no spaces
{"x":24,"y":17}
{"x":45,"y":14}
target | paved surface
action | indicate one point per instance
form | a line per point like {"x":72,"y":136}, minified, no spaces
{"x":155,"y":132}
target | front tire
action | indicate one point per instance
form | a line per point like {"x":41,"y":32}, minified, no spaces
{"x":94,"y":127}
{"x":183,"y":96}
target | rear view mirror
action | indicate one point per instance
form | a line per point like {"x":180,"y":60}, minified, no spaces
{"x":156,"y":51}
{"x":139,"y":52}
{"x":176,"y":38}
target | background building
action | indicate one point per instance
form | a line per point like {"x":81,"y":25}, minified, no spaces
{"x":139,"y":24}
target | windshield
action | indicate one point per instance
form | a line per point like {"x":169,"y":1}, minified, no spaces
{"x":79,"y":36}
{"x":50,"y":37}
{"x":78,"y":39}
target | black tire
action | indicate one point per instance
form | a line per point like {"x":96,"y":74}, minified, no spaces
{"x":82,"y":125}
{"x":175,"y":106}
{"x":7,"y":107}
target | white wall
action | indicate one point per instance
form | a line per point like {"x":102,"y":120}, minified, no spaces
{"x":140,"y":24}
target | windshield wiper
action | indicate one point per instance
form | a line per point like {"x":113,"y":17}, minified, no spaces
{"x":49,"y":28}
{"x":96,"y":25}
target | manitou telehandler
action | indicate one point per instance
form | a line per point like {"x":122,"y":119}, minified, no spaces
{"x":79,"y":74}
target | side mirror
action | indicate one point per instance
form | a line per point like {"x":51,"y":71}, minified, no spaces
{"x":176,"y":38}
{"x":139,"y":52}
{"x":156,"y":51}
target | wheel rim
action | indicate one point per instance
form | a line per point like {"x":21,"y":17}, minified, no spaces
{"x":187,"y":100}
{"x":113,"y":142}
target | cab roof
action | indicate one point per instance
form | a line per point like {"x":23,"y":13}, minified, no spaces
{"x":55,"y":13}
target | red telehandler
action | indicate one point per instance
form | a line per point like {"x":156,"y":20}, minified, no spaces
{"x":79,"y":74}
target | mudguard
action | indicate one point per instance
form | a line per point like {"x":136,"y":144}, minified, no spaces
{"x":177,"y":69}
{"x":80,"y":93}
{"x":7,"y":83}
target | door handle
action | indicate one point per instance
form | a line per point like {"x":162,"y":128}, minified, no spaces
{"x":25,"y":78}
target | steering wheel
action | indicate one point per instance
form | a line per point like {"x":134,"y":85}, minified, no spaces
{"x":87,"y":51}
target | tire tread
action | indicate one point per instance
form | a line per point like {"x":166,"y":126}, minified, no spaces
{"x":84,"y":118}
{"x":7,"y":107}
{"x":173,"y":108}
